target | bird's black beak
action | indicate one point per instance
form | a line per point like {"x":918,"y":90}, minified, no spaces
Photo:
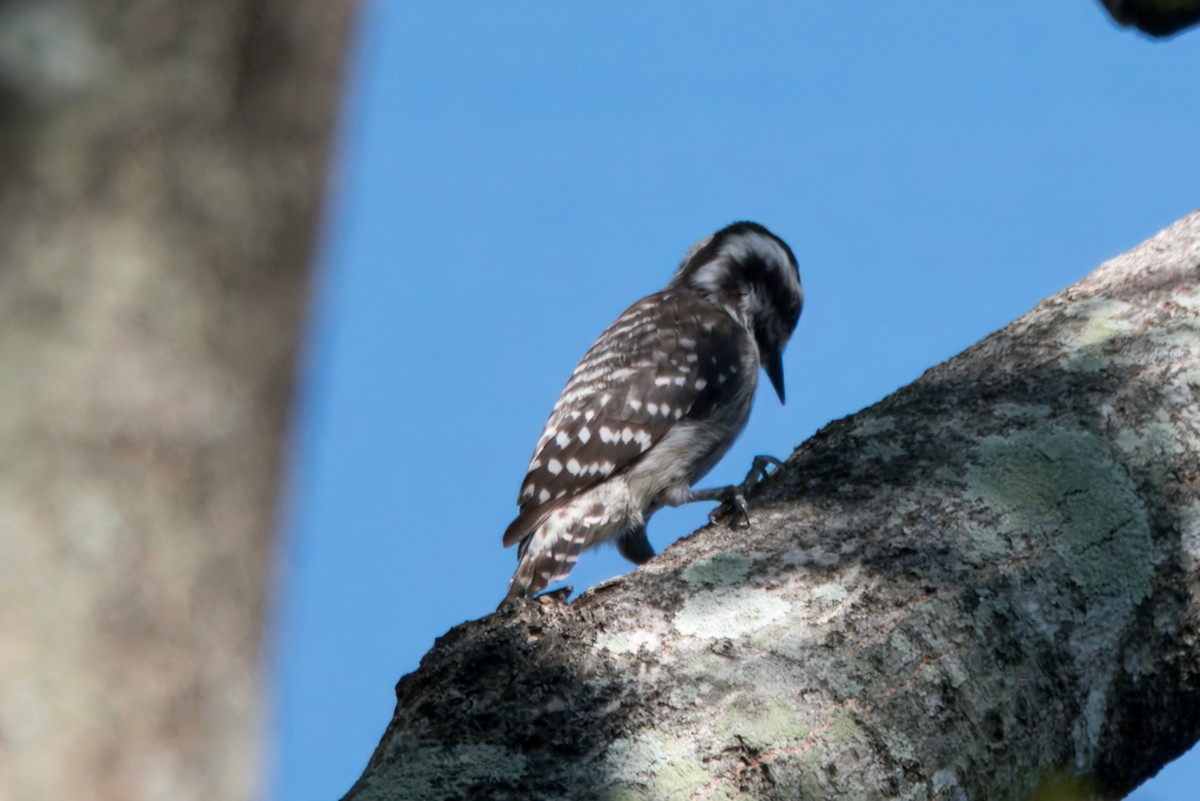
{"x":773,"y":364}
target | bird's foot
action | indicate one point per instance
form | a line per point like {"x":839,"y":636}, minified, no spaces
{"x":555,"y":597}
{"x":733,"y":498}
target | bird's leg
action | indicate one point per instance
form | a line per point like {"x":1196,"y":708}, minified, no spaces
{"x":733,"y":497}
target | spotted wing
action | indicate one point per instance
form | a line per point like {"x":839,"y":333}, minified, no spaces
{"x":665,"y":358}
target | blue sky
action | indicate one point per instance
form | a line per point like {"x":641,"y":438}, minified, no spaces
{"x":510,"y":177}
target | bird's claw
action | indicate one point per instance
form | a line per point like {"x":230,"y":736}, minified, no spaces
{"x":733,"y":498}
{"x":733,"y":502}
{"x":758,"y":471}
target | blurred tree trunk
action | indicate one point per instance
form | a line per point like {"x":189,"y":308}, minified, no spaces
{"x":986,"y":587}
{"x":161,"y":165}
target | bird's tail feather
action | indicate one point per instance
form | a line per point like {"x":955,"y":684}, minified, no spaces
{"x":548,"y":554}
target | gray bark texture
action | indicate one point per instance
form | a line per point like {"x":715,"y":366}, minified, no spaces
{"x":983,"y":587}
{"x":1155,"y":17}
{"x":161,"y":165}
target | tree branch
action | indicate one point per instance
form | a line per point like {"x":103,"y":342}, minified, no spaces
{"x":1155,"y":17}
{"x":983,"y":587}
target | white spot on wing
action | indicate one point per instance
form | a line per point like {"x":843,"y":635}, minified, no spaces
{"x":563,"y":439}
{"x":543,"y":496}
{"x":573,"y":467}
{"x":584,"y":435}
{"x":554,"y":466}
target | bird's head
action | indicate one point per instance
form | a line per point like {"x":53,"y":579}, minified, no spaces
{"x":748,"y":269}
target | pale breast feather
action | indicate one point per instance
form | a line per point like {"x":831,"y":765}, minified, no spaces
{"x":670,"y":356}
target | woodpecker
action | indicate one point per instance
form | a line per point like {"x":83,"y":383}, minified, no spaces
{"x":655,"y":403}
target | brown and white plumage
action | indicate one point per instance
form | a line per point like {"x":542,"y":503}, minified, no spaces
{"x":655,"y":403}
